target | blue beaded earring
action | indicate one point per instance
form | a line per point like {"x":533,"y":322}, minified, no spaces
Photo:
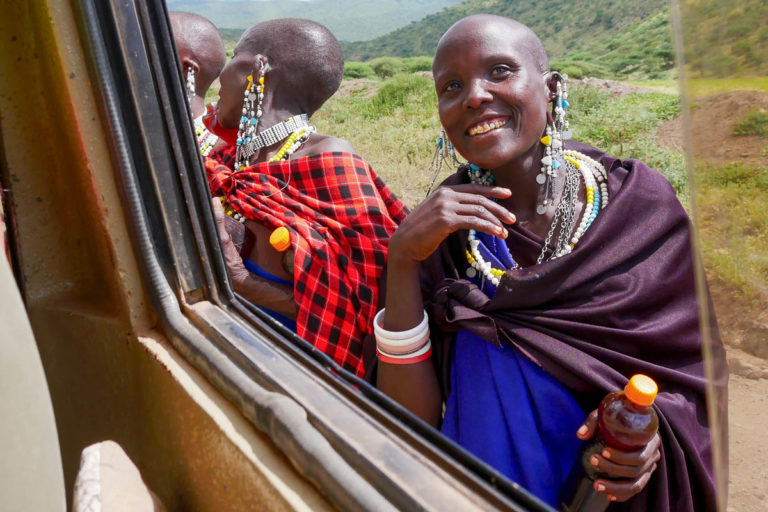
{"x":445,"y":153}
{"x":252,"y":102}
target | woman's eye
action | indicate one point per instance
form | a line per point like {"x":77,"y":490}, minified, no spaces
{"x":500,"y":70}
{"x":451,"y":86}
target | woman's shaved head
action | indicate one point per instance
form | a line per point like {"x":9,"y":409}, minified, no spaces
{"x":464,"y":29}
{"x":198,"y":41}
{"x":305,"y":55}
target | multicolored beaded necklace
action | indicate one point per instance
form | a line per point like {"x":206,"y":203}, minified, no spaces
{"x":577,"y":165}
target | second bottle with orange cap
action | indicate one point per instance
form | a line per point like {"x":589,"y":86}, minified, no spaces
{"x":626,"y":420}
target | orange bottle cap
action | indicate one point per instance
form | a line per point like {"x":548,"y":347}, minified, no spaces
{"x":280,"y":239}
{"x":641,"y":390}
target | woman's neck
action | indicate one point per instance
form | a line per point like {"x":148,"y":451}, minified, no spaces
{"x":197,"y":105}
{"x":519,"y":175}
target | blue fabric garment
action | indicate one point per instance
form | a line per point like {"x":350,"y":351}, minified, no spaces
{"x":509,"y":412}
{"x":254,"y":269}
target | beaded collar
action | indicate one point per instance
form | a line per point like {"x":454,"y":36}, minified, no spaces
{"x":274,"y":134}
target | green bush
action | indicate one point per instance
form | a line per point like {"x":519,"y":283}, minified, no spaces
{"x":399,"y":92}
{"x":576,"y":68}
{"x":736,"y":173}
{"x":414,"y":64}
{"x":573,"y":71}
{"x":754,"y":123}
{"x":386,"y":67}
{"x":719,"y":66}
{"x":353,"y":69}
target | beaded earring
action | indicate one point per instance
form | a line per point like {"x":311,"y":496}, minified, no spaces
{"x":190,"y":84}
{"x":252,"y":102}
{"x":445,"y":153}
{"x":553,"y":143}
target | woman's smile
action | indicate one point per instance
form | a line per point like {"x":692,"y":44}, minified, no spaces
{"x":487,"y":125}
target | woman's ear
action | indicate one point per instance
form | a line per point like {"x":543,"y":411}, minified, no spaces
{"x":188,"y":62}
{"x":260,"y":65}
{"x":552,"y":78}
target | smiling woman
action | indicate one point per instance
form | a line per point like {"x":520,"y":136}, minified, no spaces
{"x":547,"y":273}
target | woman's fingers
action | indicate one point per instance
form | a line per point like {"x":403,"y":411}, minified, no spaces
{"x":473,"y":203}
{"x":588,"y":428}
{"x":622,"y":490}
{"x":481,"y":190}
{"x":446,"y":211}
{"x":637,"y":458}
{"x":473,"y":212}
{"x":631,"y":471}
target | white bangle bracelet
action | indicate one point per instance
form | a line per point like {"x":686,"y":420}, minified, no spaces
{"x":394,"y":349}
{"x":420,"y":352}
{"x":399,"y":338}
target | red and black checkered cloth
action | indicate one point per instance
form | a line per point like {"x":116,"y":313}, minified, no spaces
{"x":340,"y":215}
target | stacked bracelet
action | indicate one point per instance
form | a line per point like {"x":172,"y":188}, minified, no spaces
{"x":402,"y":347}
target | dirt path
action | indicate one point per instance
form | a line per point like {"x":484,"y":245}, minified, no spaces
{"x":748,"y":417}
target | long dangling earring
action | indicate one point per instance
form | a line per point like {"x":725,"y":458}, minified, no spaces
{"x":445,"y":153}
{"x":190,"y":84}
{"x":252,"y":102}
{"x":553,"y":143}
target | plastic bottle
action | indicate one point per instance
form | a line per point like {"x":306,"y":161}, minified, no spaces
{"x":625,"y":421}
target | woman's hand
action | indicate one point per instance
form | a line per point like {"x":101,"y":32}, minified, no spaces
{"x":446,"y":211}
{"x":629,"y":471}
{"x":275,"y":296}
{"x":237,"y":271}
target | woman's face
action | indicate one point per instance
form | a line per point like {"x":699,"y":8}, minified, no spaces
{"x":233,"y":80}
{"x":492,"y":94}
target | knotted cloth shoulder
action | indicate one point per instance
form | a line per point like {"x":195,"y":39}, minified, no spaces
{"x":340,"y":215}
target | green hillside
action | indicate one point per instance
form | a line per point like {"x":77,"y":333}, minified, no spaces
{"x":608,"y":38}
{"x":349,"y":20}
{"x":726,"y":39}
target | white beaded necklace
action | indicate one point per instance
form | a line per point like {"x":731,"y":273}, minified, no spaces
{"x":595,"y":180}
{"x":205,"y":139}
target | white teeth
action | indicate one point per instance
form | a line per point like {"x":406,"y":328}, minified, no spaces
{"x":486,"y":127}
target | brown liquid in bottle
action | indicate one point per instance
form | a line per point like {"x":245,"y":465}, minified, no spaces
{"x":625,"y":421}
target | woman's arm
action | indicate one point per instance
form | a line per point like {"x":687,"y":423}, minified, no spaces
{"x":449,"y":209}
{"x":274,"y":296}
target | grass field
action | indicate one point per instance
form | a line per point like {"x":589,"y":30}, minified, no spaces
{"x":393,"y":123}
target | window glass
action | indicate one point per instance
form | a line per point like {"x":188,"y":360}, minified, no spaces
{"x":710,"y":141}
{"x":725,"y":131}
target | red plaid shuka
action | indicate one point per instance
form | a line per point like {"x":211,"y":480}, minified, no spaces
{"x":340,"y":215}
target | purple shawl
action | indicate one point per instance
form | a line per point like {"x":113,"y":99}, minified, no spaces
{"x":623,"y":302}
